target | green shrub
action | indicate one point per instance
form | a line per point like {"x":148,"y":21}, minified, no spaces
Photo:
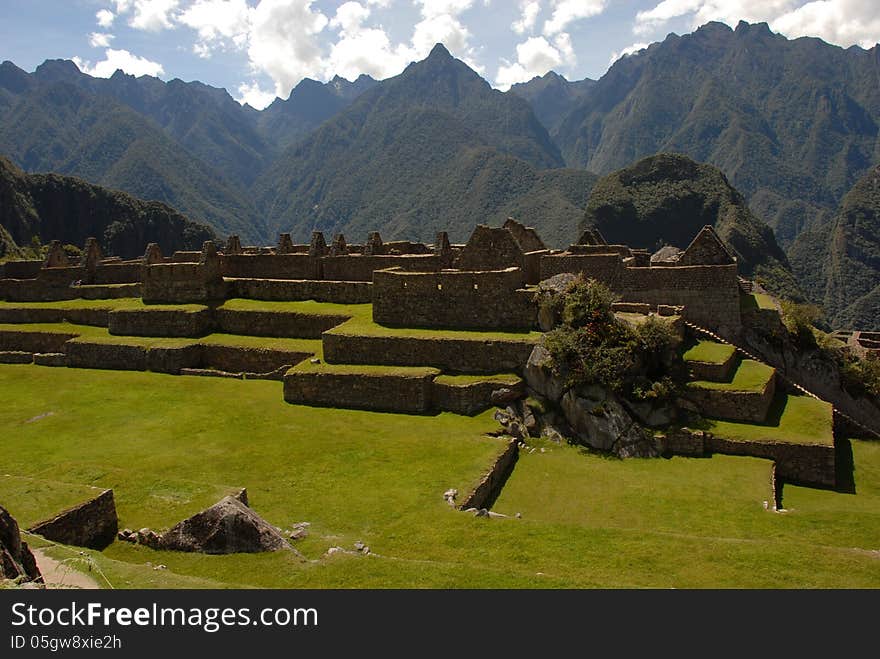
{"x":800,"y":320}
{"x":592,"y":346}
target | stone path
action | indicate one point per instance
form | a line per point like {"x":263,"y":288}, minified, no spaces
{"x":59,"y":575}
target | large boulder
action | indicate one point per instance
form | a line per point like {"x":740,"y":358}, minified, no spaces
{"x":227,"y":527}
{"x":600,"y":421}
{"x":90,"y":524}
{"x":539,"y":375}
{"x":16,"y":560}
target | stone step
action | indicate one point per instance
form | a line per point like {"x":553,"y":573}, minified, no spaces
{"x":377,"y":388}
{"x":747,"y":397}
{"x":456,"y":355}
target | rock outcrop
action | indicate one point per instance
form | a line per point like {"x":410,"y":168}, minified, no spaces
{"x":16,"y":560}
{"x":227,"y":527}
{"x":91,"y":524}
{"x":589,"y":415}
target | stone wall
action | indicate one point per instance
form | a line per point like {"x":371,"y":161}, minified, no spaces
{"x":468,"y":399}
{"x":30,"y":341}
{"x":709,"y":293}
{"x":94,"y":317}
{"x":160,"y":322}
{"x":21,"y":269}
{"x":603,"y":267}
{"x":268,"y":323}
{"x":748,"y":406}
{"x":453,"y":299}
{"x":489,"y":487}
{"x":795,"y":463}
{"x":490,"y":249}
{"x":713,"y":372}
{"x":235,"y":359}
{"x":410,"y":394}
{"x":682,"y":441}
{"x":361,"y":268}
{"x":107,"y":291}
{"x":180,"y":283}
{"x":117,"y":273}
{"x":91,"y":524}
{"x":271,"y":266}
{"x":172,"y":359}
{"x":338,"y":292}
{"x":113,"y":356}
{"x":451,"y":355}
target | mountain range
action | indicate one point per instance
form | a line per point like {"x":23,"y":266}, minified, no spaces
{"x":69,"y":209}
{"x":791,"y":124}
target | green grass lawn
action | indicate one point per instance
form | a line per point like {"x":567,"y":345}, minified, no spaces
{"x":364,"y":369}
{"x":171,"y":446}
{"x":509,"y":379}
{"x":119,"y":304}
{"x":753,"y":301}
{"x":360,"y":317}
{"x":749,"y":376}
{"x":795,"y":419}
{"x":710,"y":352}
{"x":102,"y":335}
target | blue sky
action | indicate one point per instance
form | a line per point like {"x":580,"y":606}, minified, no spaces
{"x":258,"y":49}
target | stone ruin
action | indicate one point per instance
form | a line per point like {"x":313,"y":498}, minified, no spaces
{"x":483,"y":284}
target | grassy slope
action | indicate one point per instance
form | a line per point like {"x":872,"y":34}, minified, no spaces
{"x":361,"y":318}
{"x":587,"y":521}
{"x":750,"y":376}
{"x":796,"y":419}
{"x":710,"y":352}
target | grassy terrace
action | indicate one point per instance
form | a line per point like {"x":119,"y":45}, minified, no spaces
{"x":360,"y":316}
{"x":102,"y":335}
{"x":794,"y":419}
{"x":587,"y":521}
{"x":750,"y":376}
{"x":123,"y":304}
{"x":364,"y":369}
{"x":464,"y":380}
{"x":709,"y":352}
{"x":753,"y":301}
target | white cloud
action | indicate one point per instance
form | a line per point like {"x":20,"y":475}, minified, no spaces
{"x":625,"y":52}
{"x":100,"y":39}
{"x":283,"y":42}
{"x":361,"y":49}
{"x":150,"y":15}
{"x":566,"y":12}
{"x":350,"y":16}
{"x":530,"y":10}
{"x":431,"y":8}
{"x":120,"y":59}
{"x":534,"y":57}
{"x":841,"y":22}
{"x":254,"y":96}
{"x":105,"y":17}
{"x":217,"y":21}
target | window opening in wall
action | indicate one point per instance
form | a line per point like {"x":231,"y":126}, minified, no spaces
{"x":439,"y":287}
{"x":476,"y":286}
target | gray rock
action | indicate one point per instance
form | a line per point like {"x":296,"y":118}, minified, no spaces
{"x":16,"y":560}
{"x":604,"y":424}
{"x":227,"y":527}
{"x":504,"y":396}
{"x":653,"y":414}
{"x":540,"y":377}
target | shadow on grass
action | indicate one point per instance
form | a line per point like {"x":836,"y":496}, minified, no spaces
{"x":845,"y":466}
